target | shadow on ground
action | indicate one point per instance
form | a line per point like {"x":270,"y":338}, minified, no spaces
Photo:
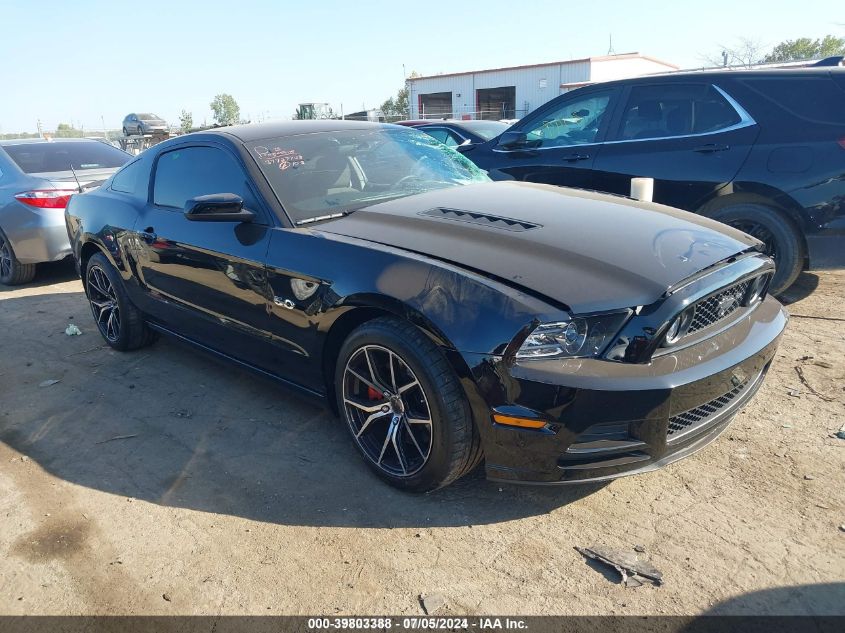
{"x":175,"y":427}
{"x":824,"y":599}
{"x":801,"y":289}
{"x":47,"y":274}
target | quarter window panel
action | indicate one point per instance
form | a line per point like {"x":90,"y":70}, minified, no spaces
{"x":665,"y":111}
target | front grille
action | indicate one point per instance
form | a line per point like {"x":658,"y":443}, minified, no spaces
{"x":718,"y":306}
{"x":702,"y":413}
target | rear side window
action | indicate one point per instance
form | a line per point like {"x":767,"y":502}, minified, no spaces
{"x":441,"y":134}
{"x":34,"y":158}
{"x":186,"y":173}
{"x":129,"y":179}
{"x":816,"y":99}
{"x":667,"y":110}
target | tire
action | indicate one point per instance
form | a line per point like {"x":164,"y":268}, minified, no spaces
{"x":772,"y":227}
{"x":120,"y":323}
{"x":387,"y":423}
{"x":12,"y":272}
{"x":125,"y":132}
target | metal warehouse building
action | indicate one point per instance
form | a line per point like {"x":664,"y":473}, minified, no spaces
{"x":511,"y":93}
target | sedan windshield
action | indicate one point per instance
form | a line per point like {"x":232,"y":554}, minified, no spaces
{"x":327,"y":174}
{"x":149,"y":117}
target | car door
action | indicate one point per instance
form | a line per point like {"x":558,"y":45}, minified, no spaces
{"x":562,"y":141}
{"x":205,"y":280}
{"x":691,"y":137}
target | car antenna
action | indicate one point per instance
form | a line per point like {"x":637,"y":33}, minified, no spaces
{"x":75,"y":177}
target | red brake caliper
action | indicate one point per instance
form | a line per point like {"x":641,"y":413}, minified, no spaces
{"x":373,"y":394}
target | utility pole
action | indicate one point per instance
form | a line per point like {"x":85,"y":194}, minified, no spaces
{"x":40,"y":133}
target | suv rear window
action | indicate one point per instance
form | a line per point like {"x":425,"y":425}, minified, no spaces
{"x":816,"y":99}
{"x":667,"y":110}
{"x":34,"y":158}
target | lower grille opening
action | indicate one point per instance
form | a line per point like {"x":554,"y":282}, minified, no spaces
{"x":699,"y":416}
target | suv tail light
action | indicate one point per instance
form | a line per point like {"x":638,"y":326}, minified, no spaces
{"x":841,"y":142}
{"x":46,"y":198}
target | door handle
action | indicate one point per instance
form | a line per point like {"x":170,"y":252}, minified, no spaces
{"x":148,"y":235}
{"x":571,"y":158}
{"x":710,"y":148}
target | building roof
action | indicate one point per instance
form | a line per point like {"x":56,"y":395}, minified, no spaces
{"x":601,"y":58}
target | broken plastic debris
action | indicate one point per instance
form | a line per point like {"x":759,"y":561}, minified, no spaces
{"x":432,"y":603}
{"x":626,"y":563}
{"x":49,"y":383}
{"x":72,"y":330}
{"x":841,"y":433}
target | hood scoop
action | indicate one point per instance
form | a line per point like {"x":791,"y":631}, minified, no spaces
{"x":484,"y":219}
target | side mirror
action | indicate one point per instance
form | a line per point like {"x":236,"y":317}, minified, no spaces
{"x":218,"y":207}
{"x":516,"y":140}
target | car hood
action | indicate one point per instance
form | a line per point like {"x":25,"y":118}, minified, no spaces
{"x":587,"y":250}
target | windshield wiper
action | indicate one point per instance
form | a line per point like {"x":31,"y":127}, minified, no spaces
{"x":331,"y":216}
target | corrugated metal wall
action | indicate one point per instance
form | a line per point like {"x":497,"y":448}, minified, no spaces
{"x":534,"y":86}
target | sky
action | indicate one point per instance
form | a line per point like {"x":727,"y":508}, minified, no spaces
{"x":89,"y":62}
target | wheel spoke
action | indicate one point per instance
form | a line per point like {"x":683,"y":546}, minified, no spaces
{"x":365,"y":381}
{"x":365,"y":408}
{"x":110,"y":325}
{"x":413,"y":439}
{"x":366,"y":424}
{"x":94,"y":282}
{"x":405,"y":388}
{"x":392,"y":374}
{"x":419,"y":421}
{"x":397,"y":449}
{"x":384,"y":446}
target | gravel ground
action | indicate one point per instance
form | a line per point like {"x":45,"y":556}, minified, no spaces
{"x":165,"y":482}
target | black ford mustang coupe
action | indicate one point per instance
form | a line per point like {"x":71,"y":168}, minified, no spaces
{"x":557,"y":335}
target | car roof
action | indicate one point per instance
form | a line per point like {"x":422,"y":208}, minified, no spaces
{"x":469,"y":123}
{"x":686,"y":75}
{"x":23,"y":141}
{"x":258,"y":131}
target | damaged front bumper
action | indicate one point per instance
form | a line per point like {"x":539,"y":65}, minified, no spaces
{"x":610,"y":419}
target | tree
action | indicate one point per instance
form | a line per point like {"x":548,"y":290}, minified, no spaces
{"x":66,"y":130}
{"x":225,"y":109}
{"x":397,"y":108}
{"x":806,"y":48}
{"x":187,"y":121}
{"x":745,"y":52}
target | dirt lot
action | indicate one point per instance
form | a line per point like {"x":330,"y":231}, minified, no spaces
{"x":165,"y":482}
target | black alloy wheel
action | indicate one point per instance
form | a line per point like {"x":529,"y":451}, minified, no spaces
{"x":120,"y":323}
{"x":104,"y":305}
{"x":387,"y":410}
{"x":781,"y":238}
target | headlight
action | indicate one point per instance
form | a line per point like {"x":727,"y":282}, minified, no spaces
{"x":579,"y":337}
{"x":757,"y":290}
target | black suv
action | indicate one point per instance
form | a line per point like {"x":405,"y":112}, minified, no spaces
{"x":763,"y":151}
